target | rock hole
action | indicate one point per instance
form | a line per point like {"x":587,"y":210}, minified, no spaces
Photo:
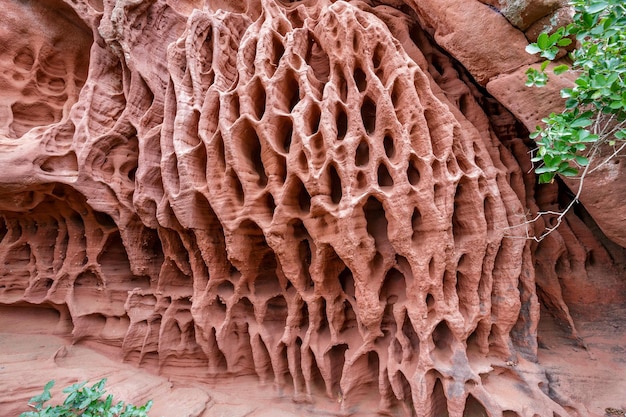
{"x":262,"y":360}
{"x":378,"y":55}
{"x":347,"y":282}
{"x":24,"y":58}
{"x":368,"y":115}
{"x":216,"y":152}
{"x":318,"y":60}
{"x":336,"y":359}
{"x":251,"y":150}
{"x":336,"y":191}
{"x":473,"y":408}
{"x":396,"y":350}
{"x":295,"y":16}
{"x":88,"y":280}
{"x":304,"y":317}
{"x":323,"y":329}
{"x":376,"y":222}
{"x":388,"y":144}
{"x":509,"y":413}
{"x":384,"y":177}
{"x":113,"y":258}
{"x":225,"y":290}
{"x":416,"y":224}
{"x":387,"y":325}
{"x":342,"y":85}
{"x":305,"y":256}
{"x":281,"y":168}
{"x":368,"y":366}
{"x":361,"y":180}
{"x":362,"y":156}
{"x":88,"y":288}
{"x":349,"y":317}
{"x":356,"y":41}
{"x":61,"y":164}
{"x":473,"y":343}
{"x":234,"y":185}
{"x":396,"y":92}
{"x":313,"y":118}
{"x":303,"y":164}
{"x":440,"y":136}
{"x":443,"y":338}
{"x":239,"y":338}
{"x":315,"y":382}
{"x":283,"y":376}
{"x":412,"y":172}
{"x":342,"y":123}
{"x":496,"y":344}
{"x":439,"y":401}
{"x":430,"y":301}
{"x":27,"y":116}
{"x":277,"y":52}
{"x":266,"y":282}
{"x":276,"y":312}
{"x":304,"y":198}
{"x":411,"y":336}
{"x":451,"y":165}
{"x":394,"y":287}
{"x":360,"y":79}
{"x":377,"y":262}
{"x":402,"y":390}
{"x":270,"y":204}
{"x":292,"y":91}
{"x":40,"y":288}
{"x":284,"y":134}
{"x":257,"y":95}
{"x":464,"y":212}
{"x":3,"y":228}
{"x":233,"y":106}
{"x":490,"y":212}
{"x":449,"y":284}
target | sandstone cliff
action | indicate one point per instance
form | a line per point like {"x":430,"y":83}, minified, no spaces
{"x":331,"y":196}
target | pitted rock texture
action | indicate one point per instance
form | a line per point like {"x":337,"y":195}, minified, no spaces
{"x":311,"y":193}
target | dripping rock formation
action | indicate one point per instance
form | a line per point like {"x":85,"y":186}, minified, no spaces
{"x":328,"y":197}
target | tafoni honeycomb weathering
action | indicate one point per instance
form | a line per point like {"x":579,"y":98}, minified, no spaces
{"x":313,"y":193}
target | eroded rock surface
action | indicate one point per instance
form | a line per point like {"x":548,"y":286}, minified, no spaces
{"x":311,"y":193}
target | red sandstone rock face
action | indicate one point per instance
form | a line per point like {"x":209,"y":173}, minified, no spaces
{"x":312,"y":193}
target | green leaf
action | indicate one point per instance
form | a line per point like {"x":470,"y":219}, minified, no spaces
{"x":546,"y":177}
{"x":582,"y":122}
{"x":543,"y":41}
{"x":560,"y":69}
{"x":581,"y":160}
{"x":568,"y":172}
{"x":621,"y":134}
{"x":544,"y":65}
{"x":564,"y":42}
{"x":555,"y":37}
{"x":550,"y":53}
{"x":543,"y":169}
{"x":533,"y":49}
{"x":598,"y":7}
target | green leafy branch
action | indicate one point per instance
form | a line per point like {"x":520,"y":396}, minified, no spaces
{"x":84,"y":401}
{"x":595,"y":107}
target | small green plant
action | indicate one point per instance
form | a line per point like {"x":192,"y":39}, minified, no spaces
{"x":595,"y":108}
{"x":83,"y":401}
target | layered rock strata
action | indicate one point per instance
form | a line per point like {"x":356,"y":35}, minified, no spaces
{"x":310,"y":193}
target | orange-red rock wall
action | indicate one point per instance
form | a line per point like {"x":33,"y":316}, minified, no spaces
{"x":311,"y":193}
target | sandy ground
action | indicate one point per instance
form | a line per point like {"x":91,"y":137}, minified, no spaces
{"x":595,"y":376}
